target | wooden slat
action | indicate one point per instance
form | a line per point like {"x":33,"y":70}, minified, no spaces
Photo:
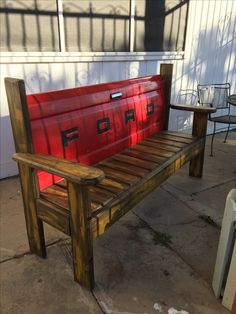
{"x":59,"y":196}
{"x":151,"y":150}
{"x":100,"y":195}
{"x":113,"y":186}
{"x":119,"y":165}
{"x":178,"y":134}
{"x":165,"y":141}
{"x":117,"y":208}
{"x":55,"y":216}
{"x":173,"y":138}
{"x":146,"y":157}
{"x":159,"y":146}
{"x":135,"y":161}
{"x":119,"y":175}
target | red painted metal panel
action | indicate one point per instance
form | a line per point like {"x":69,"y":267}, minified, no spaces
{"x":85,"y":125}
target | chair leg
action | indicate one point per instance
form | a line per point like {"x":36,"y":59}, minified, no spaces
{"x":212,"y":139}
{"x":81,"y":239}
{"x":227,"y":133}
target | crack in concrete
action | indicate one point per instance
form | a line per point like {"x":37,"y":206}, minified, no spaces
{"x":26,"y":253}
{"x":203,"y":190}
{"x":98,"y":303}
{"x":173,"y":250}
{"x":186,"y":203}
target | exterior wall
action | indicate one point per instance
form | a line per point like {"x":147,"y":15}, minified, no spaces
{"x":210,"y":55}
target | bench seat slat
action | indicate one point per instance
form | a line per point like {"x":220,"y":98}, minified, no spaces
{"x":59,"y":196}
{"x":164,"y":147}
{"x":135,"y":161}
{"x":119,"y":165}
{"x":172,"y":137}
{"x":118,"y":175}
{"x":113,"y":186}
{"x":141,"y":156}
{"x":146,"y":149}
{"x":179,"y":134}
{"x":163,"y":141}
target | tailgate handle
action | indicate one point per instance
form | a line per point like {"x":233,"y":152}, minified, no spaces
{"x":116,"y":95}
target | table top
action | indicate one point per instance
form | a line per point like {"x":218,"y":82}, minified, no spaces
{"x":232,"y":99}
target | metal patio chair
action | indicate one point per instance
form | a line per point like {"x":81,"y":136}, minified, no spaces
{"x":187,"y":96}
{"x":185,"y":119}
{"x":216,"y":95}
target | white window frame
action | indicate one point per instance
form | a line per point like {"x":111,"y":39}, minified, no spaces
{"x":63,"y":56}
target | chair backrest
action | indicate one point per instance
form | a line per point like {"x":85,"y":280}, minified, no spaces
{"x":214,"y":95}
{"x":187,"y":96}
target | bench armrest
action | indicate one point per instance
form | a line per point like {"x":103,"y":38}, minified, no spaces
{"x":72,"y":171}
{"x":199,"y":109}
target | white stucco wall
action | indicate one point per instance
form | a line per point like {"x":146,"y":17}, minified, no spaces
{"x":209,"y":57}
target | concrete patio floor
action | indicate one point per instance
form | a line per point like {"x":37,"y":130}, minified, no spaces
{"x":157,"y":258}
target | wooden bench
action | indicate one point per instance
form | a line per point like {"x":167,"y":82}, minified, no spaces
{"x":87,"y":155}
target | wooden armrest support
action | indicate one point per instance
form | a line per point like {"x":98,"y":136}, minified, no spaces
{"x":72,"y":171}
{"x":199,"y":109}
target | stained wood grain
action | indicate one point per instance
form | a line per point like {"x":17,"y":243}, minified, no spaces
{"x":16,"y":96}
{"x":102,"y":220}
{"x":55,"y":216}
{"x":172,"y":137}
{"x":140,"y":155}
{"x":69,"y":170}
{"x":34,"y":225}
{"x":127,"y":168}
{"x":166,"y":142}
{"x":199,"y":130}
{"x":166,"y":71}
{"x":135,"y":161}
{"x":160,"y":146}
{"x":81,"y":240}
{"x":186,"y":107}
{"x":113,"y":186}
{"x":118,"y":175}
{"x":56,"y":194}
{"x":151,"y":150}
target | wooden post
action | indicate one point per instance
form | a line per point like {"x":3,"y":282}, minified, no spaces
{"x":16,"y":96}
{"x":166,"y":71}
{"x":34,"y":226}
{"x":199,"y":130}
{"x":81,"y":239}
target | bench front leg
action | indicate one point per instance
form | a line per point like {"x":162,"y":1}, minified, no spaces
{"x":199,"y":130}
{"x":34,"y":226}
{"x":81,"y":238}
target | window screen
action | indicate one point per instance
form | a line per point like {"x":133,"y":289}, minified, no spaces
{"x":160,"y":25}
{"x":93,"y":25}
{"x":29,"y":25}
{"x":96,"y":25}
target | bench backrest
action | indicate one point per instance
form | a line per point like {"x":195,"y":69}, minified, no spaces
{"x":89,"y":124}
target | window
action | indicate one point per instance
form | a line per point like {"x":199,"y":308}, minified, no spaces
{"x":29,"y":25}
{"x":93,"y":25}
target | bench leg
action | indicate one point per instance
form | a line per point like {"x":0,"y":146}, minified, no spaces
{"x":199,"y":130}
{"x":81,"y":239}
{"x":33,"y":224}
